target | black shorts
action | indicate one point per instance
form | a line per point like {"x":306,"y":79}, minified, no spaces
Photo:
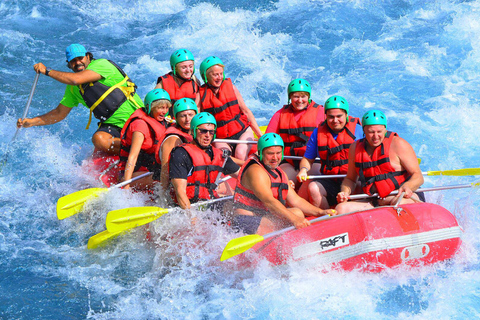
{"x":332,"y":186}
{"x":111,"y":129}
{"x":236,"y":136}
{"x":246,"y":224}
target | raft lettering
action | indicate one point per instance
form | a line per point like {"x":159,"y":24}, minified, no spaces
{"x":332,"y":242}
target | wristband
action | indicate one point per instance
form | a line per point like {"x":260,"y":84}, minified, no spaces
{"x":304,"y":168}
{"x":48,"y":71}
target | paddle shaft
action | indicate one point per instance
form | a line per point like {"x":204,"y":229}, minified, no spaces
{"x":29,"y":101}
{"x":460,"y":186}
{"x":455,"y":172}
{"x":129,"y":218}
{"x":235,"y":141}
{"x":124,"y":183}
{"x":198,"y":204}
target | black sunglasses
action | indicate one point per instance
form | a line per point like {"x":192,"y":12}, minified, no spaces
{"x":204,"y":131}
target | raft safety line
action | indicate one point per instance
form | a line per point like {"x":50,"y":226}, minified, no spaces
{"x":312,"y":249}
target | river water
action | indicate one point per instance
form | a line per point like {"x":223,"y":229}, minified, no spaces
{"x":418,"y":61}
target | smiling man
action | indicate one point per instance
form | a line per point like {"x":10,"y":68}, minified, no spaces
{"x":98,"y":84}
{"x":330,"y":142}
{"x":383,"y":162}
{"x":264,"y":200}
{"x":196,"y":166}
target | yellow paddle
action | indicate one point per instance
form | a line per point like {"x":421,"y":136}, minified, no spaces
{"x":119,"y":221}
{"x":129,"y":218}
{"x":263,"y":129}
{"x":72,"y":204}
{"x":456,"y":172}
{"x":239,"y":245}
{"x":101,"y":238}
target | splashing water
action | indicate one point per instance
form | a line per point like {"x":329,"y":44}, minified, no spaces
{"x":418,"y":61}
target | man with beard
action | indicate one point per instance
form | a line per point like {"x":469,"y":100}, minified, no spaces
{"x":98,"y":84}
{"x":195,"y":167}
{"x":264,"y":199}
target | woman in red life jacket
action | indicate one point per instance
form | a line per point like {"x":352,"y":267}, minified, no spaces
{"x":181,"y":81}
{"x":222,"y":99}
{"x":183,"y":110}
{"x":295,"y":123}
{"x":141,"y":137}
{"x":383,"y":162}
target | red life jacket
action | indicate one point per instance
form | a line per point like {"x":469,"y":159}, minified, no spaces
{"x":175,"y":131}
{"x":201,"y":183}
{"x":225,"y":109}
{"x":377,"y":170}
{"x":188,"y":89}
{"x":334,"y":152}
{"x":246,"y":199}
{"x":296,"y":134}
{"x":148,"y":156}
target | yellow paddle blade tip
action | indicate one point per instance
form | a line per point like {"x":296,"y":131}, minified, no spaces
{"x":239,"y":245}
{"x":72,"y":204}
{"x":100,"y":239}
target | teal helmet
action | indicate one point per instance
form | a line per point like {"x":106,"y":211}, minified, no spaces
{"x":337,"y":102}
{"x":179,"y":56}
{"x":154,"y":95}
{"x":202,"y":118}
{"x":299,"y":85}
{"x":269,"y":140}
{"x":207,"y":63}
{"x":374,"y":117}
{"x":184,"y":104}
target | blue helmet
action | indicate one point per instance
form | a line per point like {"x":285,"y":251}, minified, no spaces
{"x":75,"y":50}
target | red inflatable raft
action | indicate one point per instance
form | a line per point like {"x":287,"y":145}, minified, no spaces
{"x":103,"y":167}
{"x":372,"y":240}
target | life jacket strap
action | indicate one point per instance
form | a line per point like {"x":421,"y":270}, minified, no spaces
{"x":128,"y":91}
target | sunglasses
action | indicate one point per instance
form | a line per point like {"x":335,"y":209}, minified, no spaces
{"x":204,"y":131}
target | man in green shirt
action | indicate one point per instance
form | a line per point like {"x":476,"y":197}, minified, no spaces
{"x":98,"y":84}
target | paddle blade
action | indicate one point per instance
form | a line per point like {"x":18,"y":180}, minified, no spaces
{"x":129,"y":218}
{"x":239,"y":245}
{"x":457,"y":172}
{"x":73,"y":203}
{"x":101,"y":238}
